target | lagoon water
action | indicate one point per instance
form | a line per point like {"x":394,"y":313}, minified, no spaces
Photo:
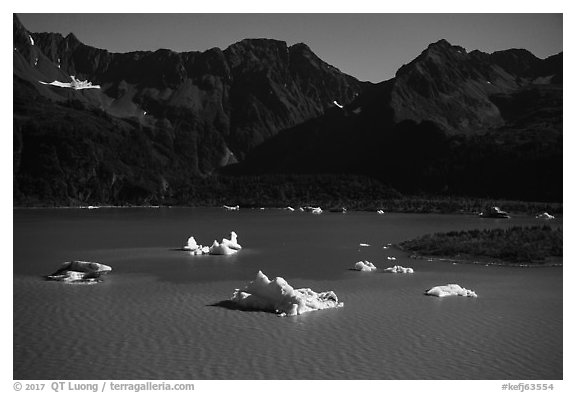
{"x":156,"y":315}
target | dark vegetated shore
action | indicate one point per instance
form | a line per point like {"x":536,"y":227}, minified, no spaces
{"x":517,"y":245}
{"x":354,"y":192}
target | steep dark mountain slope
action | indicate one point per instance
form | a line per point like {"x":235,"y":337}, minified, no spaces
{"x":449,"y":122}
{"x":160,"y":119}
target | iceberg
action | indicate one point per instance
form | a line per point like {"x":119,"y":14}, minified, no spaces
{"x":337,"y":104}
{"x":80,"y":272}
{"x":364,"y":266}
{"x":279,"y":297}
{"x":399,"y":269}
{"x":545,"y":216}
{"x":233,"y":242}
{"x":391,"y":258}
{"x":380,"y":211}
{"x":231,"y":207}
{"x":221,"y":249}
{"x":31,"y":40}
{"x":226,"y":247}
{"x":364,"y":245}
{"x":289,"y":208}
{"x":316,"y":210}
{"x":191,"y":244}
{"x":450,"y":290}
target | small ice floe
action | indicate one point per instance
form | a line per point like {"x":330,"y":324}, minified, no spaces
{"x":92,"y":207}
{"x":489,"y":82}
{"x":75,"y":84}
{"x":450,"y":290}
{"x":144,"y":113}
{"x":391,"y":258}
{"x":399,"y":269}
{"x":380,"y":211}
{"x":301,"y":209}
{"x":364,"y":266}
{"x":316,"y":210}
{"x":80,"y":272}
{"x":231,"y":207}
{"x":289,"y":208}
{"x":262,"y":208}
{"x":337,"y":104}
{"x":31,"y":40}
{"x":364,"y":245}
{"x":385,"y":247}
{"x":545,"y":216}
{"x":494,"y":212}
{"x":35,"y":62}
{"x":279,"y":297}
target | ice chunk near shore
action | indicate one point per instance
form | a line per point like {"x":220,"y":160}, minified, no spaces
{"x":316,"y":210}
{"x":364,"y":245}
{"x":364,"y":266}
{"x":545,"y":216}
{"x":232,"y":243}
{"x":289,"y":208}
{"x":380,"y":211}
{"x":80,"y":272}
{"x":278,"y":296}
{"x":399,"y":269}
{"x":231,"y":207}
{"x":450,"y":290}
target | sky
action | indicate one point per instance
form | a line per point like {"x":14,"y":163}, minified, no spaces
{"x":370,"y":46}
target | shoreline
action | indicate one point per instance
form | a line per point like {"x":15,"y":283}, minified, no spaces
{"x":498,"y":263}
{"x":478,"y":260}
{"x":405,"y":210}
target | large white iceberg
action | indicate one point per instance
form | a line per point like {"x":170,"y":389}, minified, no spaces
{"x":450,"y":290}
{"x":278,"y":296}
{"x":75,"y":84}
{"x":399,"y":269}
{"x":364,"y":266}
{"x":80,"y":272}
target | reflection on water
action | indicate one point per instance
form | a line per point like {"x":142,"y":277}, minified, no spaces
{"x":151,"y":318}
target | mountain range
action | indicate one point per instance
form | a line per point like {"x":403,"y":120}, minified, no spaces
{"x":155,"y":123}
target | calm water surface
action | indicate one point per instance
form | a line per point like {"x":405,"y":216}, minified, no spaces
{"x":155,"y":317}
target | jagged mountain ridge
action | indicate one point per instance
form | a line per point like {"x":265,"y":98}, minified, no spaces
{"x":449,"y":122}
{"x":192,"y":112}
